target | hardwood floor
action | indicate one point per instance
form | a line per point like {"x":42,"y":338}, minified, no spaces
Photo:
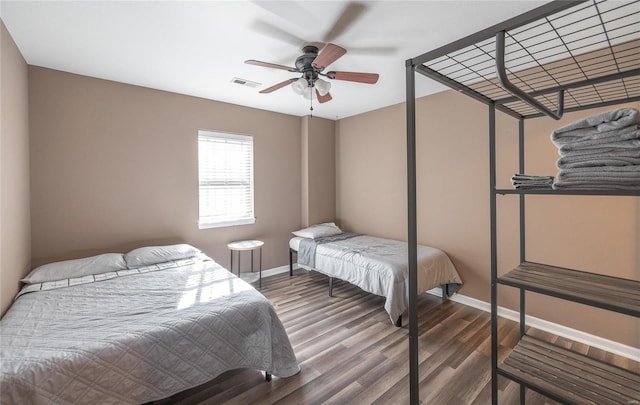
{"x":350,"y":353}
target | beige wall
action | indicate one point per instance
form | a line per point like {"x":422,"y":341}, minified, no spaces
{"x":371,"y":173}
{"x":599,"y":234}
{"x":318,"y":169}
{"x":15,"y":247}
{"x":114,"y":167}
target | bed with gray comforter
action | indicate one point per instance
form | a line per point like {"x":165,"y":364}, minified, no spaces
{"x":138,"y":336}
{"x":377,"y":265}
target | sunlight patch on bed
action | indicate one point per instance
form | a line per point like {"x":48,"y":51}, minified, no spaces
{"x":221,"y":289}
{"x":208,"y":285}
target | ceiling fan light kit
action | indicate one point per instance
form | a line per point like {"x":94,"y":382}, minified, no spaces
{"x":299,"y":86}
{"x":311,"y":65}
{"x":322,"y":86}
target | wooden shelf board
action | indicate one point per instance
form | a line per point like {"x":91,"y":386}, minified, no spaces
{"x":612,"y":293}
{"x":568,"y":376}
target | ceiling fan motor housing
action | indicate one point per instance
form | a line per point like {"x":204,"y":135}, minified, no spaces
{"x":304,"y":64}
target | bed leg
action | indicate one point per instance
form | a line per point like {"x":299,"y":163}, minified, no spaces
{"x":290,"y":262}
{"x":330,"y":286}
{"x":445,"y":292}
{"x":399,"y":322}
{"x":267,"y":376}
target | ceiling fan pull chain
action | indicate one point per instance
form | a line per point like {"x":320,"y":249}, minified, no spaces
{"x":311,"y":102}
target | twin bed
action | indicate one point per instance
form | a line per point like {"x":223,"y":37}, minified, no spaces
{"x":135,"y":328}
{"x":376,"y":265}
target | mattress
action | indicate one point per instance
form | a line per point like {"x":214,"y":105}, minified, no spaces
{"x":138,"y":337}
{"x":294,"y":243}
{"x":380,"y":266}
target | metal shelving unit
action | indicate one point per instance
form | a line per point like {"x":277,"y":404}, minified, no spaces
{"x":560,"y":57}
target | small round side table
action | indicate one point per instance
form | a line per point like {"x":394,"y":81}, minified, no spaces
{"x":244,"y":245}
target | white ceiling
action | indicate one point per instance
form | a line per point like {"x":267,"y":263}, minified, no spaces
{"x":198,"y":47}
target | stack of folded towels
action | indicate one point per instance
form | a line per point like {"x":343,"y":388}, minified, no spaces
{"x":529,"y":182}
{"x":601,"y":152}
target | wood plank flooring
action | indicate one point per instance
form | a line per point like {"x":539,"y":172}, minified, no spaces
{"x":350,"y":353}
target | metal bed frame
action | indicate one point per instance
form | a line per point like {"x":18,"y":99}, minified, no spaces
{"x":560,"y":57}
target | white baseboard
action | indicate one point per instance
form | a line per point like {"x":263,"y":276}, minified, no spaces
{"x":275,"y":270}
{"x":253,"y":276}
{"x":630,"y":352}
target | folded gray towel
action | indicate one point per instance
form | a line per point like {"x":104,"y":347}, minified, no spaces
{"x":533,"y":186}
{"x":595,"y":124}
{"x":631,"y":171}
{"x":570,"y":162}
{"x":609,"y":177}
{"x":618,"y":181}
{"x":527,"y":181}
{"x":530,"y":177}
{"x":622,"y":134}
{"x":619,"y":145}
{"x":593,"y":153}
{"x":581,"y":185}
{"x":592,"y":134}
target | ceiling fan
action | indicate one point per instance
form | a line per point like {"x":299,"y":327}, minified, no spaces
{"x":311,"y":65}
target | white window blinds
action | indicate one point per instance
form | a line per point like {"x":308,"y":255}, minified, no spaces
{"x":225,"y":171}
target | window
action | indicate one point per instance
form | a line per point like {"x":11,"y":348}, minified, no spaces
{"x":225,"y":171}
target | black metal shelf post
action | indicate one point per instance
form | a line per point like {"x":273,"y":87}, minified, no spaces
{"x":412,"y":237}
{"x":494,"y":255}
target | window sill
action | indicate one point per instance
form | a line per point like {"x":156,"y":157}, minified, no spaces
{"x":222,"y":224}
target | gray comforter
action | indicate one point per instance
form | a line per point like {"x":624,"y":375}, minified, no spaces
{"x":380,"y":266}
{"x":138,"y":338}
{"x":307,"y":250}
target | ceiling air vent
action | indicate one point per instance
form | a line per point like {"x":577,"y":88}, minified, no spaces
{"x":245,"y":82}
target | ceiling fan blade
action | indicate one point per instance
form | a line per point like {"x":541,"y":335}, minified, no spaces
{"x":290,"y":11}
{"x":329,"y":54}
{"x":282,"y":35}
{"x":278,"y":86}
{"x":274,"y":32}
{"x":325,"y":98}
{"x":369,"y":78}
{"x":349,"y":15}
{"x":317,"y":44}
{"x":270,"y":65}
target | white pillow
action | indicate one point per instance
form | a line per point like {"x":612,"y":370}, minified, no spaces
{"x":148,"y":255}
{"x":319,"y":231}
{"x":86,"y":266}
